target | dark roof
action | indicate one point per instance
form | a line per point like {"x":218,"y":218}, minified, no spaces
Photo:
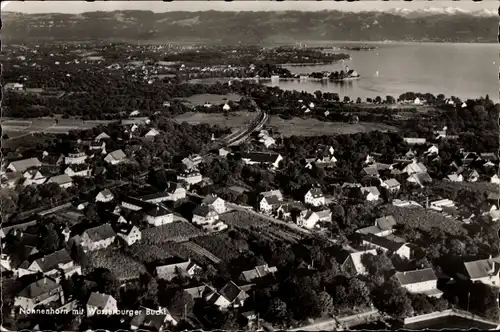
{"x":136,"y":202}
{"x":51,"y":261}
{"x":261,"y":157}
{"x":412,"y":277}
{"x":98,"y":300}
{"x":22,"y":165}
{"x":382,"y":242}
{"x":272,"y":200}
{"x":481,"y":268}
{"x":209,"y":199}
{"x":203,"y":210}
{"x":100,"y":233}
{"x":230,"y":291}
{"x":151,"y":321}
{"x":158,"y":211}
{"x":173,"y":186}
{"x":60,"y":179}
{"x":40,"y":287}
{"x":123,"y":228}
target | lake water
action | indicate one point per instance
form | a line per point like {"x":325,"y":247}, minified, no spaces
{"x":461,"y":70}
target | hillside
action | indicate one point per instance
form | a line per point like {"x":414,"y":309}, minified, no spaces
{"x":250,"y":27}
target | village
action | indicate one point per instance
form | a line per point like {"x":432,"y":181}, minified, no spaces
{"x":141,"y":221}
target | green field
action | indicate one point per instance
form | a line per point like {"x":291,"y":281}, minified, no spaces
{"x":314,"y":127}
{"x":233,"y":120}
{"x":214,"y":99}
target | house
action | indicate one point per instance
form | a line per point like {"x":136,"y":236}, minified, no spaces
{"x":432,"y":151}
{"x":101,"y":136}
{"x":231,"y":295}
{"x":383,"y":226}
{"x":33,"y":177}
{"x":104,"y":196}
{"x":41,"y":292}
{"x":286,"y":210}
{"x":307,"y":219}
{"x":378,"y":242}
{"x":371,"y":170}
{"x":202,"y":291}
{"x":325,"y":215}
{"x":314,"y":197}
{"x":370,"y":193}
{"x":129,"y":233}
{"x":152,"y":133}
{"x":276,"y":193}
{"x":191,"y":177}
{"x":455,"y":177}
{"x":486,"y":271}
{"x":101,"y":304}
{"x":134,"y":113}
{"x":268,"y":158}
{"x":55,"y":264}
{"x":158,"y":215}
{"x":97,"y":146}
{"x":175,"y":191}
{"x":392,"y":185}
{"x":415,"y":167}
{"x":98,"y":237}
{"x":419,"y":282}
{"x":13,"y":87}
{"x":420,"y":179}
{"x":471,"y":175}
{"x":63,"y":180}
{"x":192,"y":161}
{"x":175,"y":267}
{"x":135,"y":204}
{"x":24,"y":165}
{"x":268,"y":204}
{"x":226,"y":107}
{"x":258,"y":272}
{"x":353,"y":264}
{"x":414,"y":141}
{"x":204,"y":214}
{"x":217,"y":203}
{"x":78,"y":170}
{"x":115,"y":157}
{"x":440,"y":204}
{"x":152,"y":319}
{"x":76,"y":158}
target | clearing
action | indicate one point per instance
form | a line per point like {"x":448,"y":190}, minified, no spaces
{"x":214,"y":99}
{"x":314,"y":127}
{"x":232,"y":120}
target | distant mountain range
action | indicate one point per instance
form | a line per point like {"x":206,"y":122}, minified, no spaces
{"x":438,"y":25}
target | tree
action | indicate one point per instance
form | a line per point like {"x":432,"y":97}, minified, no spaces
{"x":347,"y":99}
{"x":277,"y":311}
{"x":358,"y":100}
{"x":392,"y":299}
{"x":79,"y":256}
{"x":325,"y":303}
{"x":50,"y":241}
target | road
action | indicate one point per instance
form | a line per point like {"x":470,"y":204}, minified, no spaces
{"x":336,"y":323}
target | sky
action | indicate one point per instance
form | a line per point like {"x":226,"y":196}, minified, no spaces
{"x":75,"y":7}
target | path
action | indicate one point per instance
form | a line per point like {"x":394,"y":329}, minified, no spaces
{"x":201,"y":251}
{"x":337,"y":323}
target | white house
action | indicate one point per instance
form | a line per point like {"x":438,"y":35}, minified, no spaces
{"x":392,"y":185}
{"x":218,"y":204}
{"x":231,"y":295}
{"x":433,"y":150}
{"x":417,"y":101}
{"x":82,"y":170}
{"x":55,"y":265}
{"x":419,"y":282}
{"x":495,"y":179}
{"x":399,"y":248}
{"x":258,"y":272}
{"x":307,"y":219}
{"x":176,"y":191}
{"x":102,"y":304}
{"x":268,"y":204}
{"x":353,"y":262}
{"x":315,"y":197}
{"x":158,"y":215}
{"x":204,"y":214}
{"x":267,"y":158}
{"x":129,"y":233}
{"x":486,"y":271}
{"x":104,"y":196}
{"x":63,"y":180}
{"x":455,"y":177}
{"x":226,"y":107}
{"x":370,"y":193}
{"x":192,"y":177}
{"x":23,"y":165}
{"x":76,"y":158}
{"x":177,"y":267}
{"x":115,"y":157}
{"x":33,"y":176}
{"x":98,"y":237}
{"x":41,"y":292}
{"x":382,"y":227}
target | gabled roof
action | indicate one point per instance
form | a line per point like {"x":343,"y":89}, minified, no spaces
{"x":60,"y":179}
{"x":257,"y":272}
{"x":231,"y":292}
{"x":356,"y":259}
{"x":106,"y":193}
{"x":173,"y":186}
{"x":203,"y":210}
{"x":261,"y":157}
{"x":481,"y":268}
{"x":209,"y":199}
{"x":391,"y":183}
{"x":149,"y":318}
{"x":158,"y":211}
{"x":382,"y":242}
{"x":37,"y":288}
{"x":52,"y":261}
{"x":117,"y":155}
{"x":24,"y":164}
{"x":272,"y":200}
{"x":100,"y":233}
{"x":172,"y":267}
{"x":276,"y":193}
{"x":370,"y":190}
{"x":98,"y":300}
{"x":316,"y":192}
{"x":124,"y":229}
{"x":416,"y":276}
